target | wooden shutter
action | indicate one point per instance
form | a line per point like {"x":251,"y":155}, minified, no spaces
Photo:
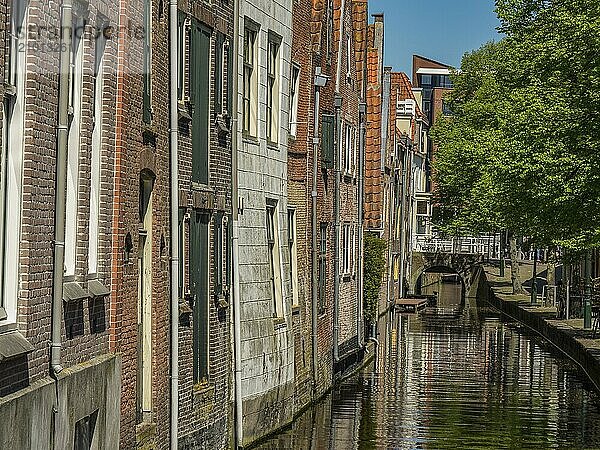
{"x":200,"y":98}
{"x":327,"y":140}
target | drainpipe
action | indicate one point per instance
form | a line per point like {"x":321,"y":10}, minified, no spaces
{"x":237,"y":339}
{"x":61,"y":186}
{"x":319,"y":82}
{"x":336,"y":215}
{"x":173,"y":134}
{"x":362,"y":109}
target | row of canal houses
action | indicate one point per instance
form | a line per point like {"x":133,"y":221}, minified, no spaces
{"x":185,"y":190}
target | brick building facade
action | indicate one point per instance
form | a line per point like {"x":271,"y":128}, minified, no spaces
{"x":84,"y":390}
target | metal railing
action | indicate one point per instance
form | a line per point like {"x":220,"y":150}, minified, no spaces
{"x":482,"y":245}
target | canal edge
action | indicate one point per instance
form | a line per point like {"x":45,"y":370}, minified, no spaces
{"x":513,"y":307}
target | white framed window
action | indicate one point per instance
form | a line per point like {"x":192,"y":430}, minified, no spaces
{"x":274,"y":256}
{"x":11,"y":166}
{"x":422,"y":216}
{"x":346,"y":249}
{"x":349,"y":59}
{"x":272,"y":119}
{"x":96,"y":168}
{"x":74,"y":143}
{"x":249,"y":88}
{"x":348,"y":157}
{"x":293,"y":249}
{"x":294,"y":93}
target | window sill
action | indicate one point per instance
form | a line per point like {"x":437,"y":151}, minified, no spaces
{"x":203,"y":388}
{"x":249,"y":139}
{"x":346,"y":277}
{"x":295,"y":310}
{"x":272,"y":145}
{"x":279,"y":323}
{"x":12,"y":343}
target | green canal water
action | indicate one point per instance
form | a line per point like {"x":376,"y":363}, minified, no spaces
{"x":457,"y":376}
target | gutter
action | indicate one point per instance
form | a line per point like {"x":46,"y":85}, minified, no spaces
{"x":174,"y":182}
{"x":62,"y":131}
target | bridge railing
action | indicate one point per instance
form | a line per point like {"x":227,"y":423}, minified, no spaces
{"x":483,"y":245}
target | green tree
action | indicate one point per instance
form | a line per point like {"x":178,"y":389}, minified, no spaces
{"x":520,"y":150}
{"x":374,"y":267}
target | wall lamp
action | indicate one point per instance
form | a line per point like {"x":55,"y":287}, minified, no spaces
{"x":320,"y":78}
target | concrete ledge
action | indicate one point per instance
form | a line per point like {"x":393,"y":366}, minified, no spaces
{"x":568,"y":336}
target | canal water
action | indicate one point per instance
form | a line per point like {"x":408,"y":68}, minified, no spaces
{"x":456,"y":376}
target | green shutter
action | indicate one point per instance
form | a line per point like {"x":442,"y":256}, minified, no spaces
{"x":200,"y":97}
{"x":327,"y":140}
{"x":199,"y":285}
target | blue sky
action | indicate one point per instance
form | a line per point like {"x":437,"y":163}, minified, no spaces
{"x":440,"y":30}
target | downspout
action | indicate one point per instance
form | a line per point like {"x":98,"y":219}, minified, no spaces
{"x":336,"y":202}
{"x":237,"y":339}
{"x":315,"y":242}
{"x":61,"y":186}
{"x":173,"y":134}
{"x":362,"y":110}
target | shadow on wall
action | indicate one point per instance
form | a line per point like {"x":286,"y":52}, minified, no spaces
{"x":14,"y":375}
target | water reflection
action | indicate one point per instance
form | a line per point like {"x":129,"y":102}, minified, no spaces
{"x":455,"y":377}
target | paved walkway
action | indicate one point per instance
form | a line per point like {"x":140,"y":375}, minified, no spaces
{"x":568,"y":335}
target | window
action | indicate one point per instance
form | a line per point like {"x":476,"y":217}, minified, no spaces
{"x":349,"y":59}
{"x":249,"y":88}
{"x":446,"y":108}
{"x":348,"y":156}
{"x":272,"y":88}
{"x":11,"y":168}
{"x":422,"y":212}
{"x":182,"y":252}
{"x":329,"y":36}
{"x":147,"y":94}
{"x":182,"y":46}
{"x":220,"y":251}
{"x":95,"y":169}
{"x":327,"y":140}
{"x":346,"y":249}
{"x":74,"y":144}
{"x":16,"y":33}
{"x":425,"y":80}
{"x":220,"y":60}
{"x":292,"y":236}
{"x":274,"y":258}
{"x":322,"y":267}
{"x":294,"y":92}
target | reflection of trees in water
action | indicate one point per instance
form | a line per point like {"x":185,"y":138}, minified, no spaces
{"x":469,"y":381}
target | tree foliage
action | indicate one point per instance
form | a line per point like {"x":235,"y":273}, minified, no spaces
{"x":374,"y":267}
{"x":521,"y":149}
